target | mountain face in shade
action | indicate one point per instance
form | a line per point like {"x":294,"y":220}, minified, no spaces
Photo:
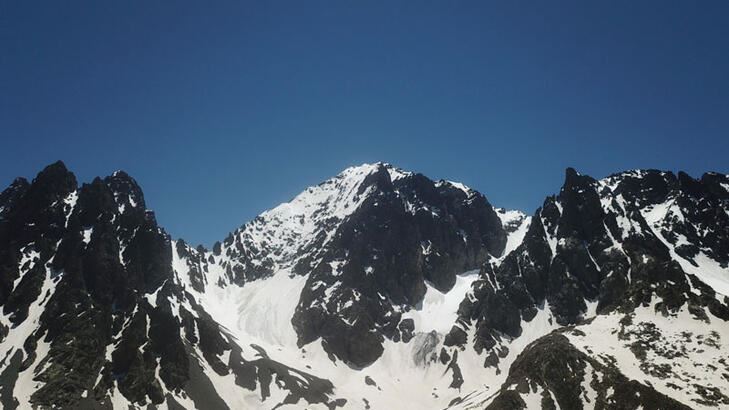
{"x":378,"y":288}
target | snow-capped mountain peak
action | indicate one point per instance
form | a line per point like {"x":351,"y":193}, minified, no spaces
{"x":281,"y":233}
{"x":378,"y":288}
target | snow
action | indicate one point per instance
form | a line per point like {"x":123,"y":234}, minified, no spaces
{"x":118,"y":401}
{"x":628,"y":226}
{"x":515,"y":237}
{"x":260,"y":313}
{"x":481,"y":383}
{"x":70,"y":204}
{"x":29,"y":257}
{"x":509,"y":216}
{"x":460,"y":186}
{"x":591,"y":308}
{"x":25,"y":386}
{"x":261,"y":310}
{"x":87,"y":235}
{"x":152,"y":297}
{"x":554,"y":400}
{"x":439,"y":310}
{"x":589,"y":395}
{"x":533,"y":399}
{"x":396,"y":173}
{"x":426,"y":247}
{"x":700,"y":362}
{"x":283,"y":231}
{"x":336,"y":266}
{"x":234,"y":395}
{"x":551,"y":240}
{"x":657,"y":216}
{"x":708,"y":270}
{"x":617,"y":205}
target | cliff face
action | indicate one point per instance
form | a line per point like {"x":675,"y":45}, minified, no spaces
{"x":375,"y":285}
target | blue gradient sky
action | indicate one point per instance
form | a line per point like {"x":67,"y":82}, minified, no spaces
{"x":223,"y":111}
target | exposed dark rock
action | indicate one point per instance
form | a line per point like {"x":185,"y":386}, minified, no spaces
{"x":118,"y":316}
{"x":576,"y":252}
{"x":555,"y":366}
{"x":406,"y":327}
{"x":420,"y":229}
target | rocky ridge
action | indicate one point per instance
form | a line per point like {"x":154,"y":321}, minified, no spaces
{"x":375,"y":285}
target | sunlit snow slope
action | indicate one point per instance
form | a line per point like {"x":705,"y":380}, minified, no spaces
{"x":376,"y":289}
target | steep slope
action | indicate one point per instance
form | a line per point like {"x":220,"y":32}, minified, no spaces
{"x":390,"y":264}
{"x":93,"y":318}
{"x":378,"y":288}
{"x":643,"y":246}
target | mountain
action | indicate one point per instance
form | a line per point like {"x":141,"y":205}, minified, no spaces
{"x":379,"y":288}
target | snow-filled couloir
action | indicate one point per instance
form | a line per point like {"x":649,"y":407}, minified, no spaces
{"x":378,"y":288}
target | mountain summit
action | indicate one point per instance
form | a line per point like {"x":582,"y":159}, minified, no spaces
{"x":378,"y":288}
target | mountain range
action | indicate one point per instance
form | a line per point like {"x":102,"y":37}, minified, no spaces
{"x":376,"y":289}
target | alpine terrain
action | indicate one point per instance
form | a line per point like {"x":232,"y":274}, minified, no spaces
{"x":376,"y":289}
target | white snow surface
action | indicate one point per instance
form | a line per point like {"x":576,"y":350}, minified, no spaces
{"x":706,"y":268}
{"x":260,"y":312}
{"x":283,"y":231}
{"x":439,"y":310}
{"x":690,"y":348}
{"x":658,"y":216}
{"x":460,"y":186}
{"x":509,"y":219}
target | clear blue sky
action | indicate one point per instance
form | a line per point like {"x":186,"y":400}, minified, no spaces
{"x":222,"y":111}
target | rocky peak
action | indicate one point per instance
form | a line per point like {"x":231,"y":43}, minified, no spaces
{"x":581,"y":212}
{"x":717,"y":184}
{"x":127,"y":192}
{"x":367,"y":240}
{"x":291,"y":235}
{"x":607,"y":244}
{"x":572,"y":177}
{"x":378,"y":178}
{"x":33,"y":221}
{"x":18,"y":185}
{"x":53,"y":183}
{"x":408,"y":230}
{"x":576,"y":182}
{"x":11,"y":194}
{"x":639,"y":187}
{"x":101,"y":309}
